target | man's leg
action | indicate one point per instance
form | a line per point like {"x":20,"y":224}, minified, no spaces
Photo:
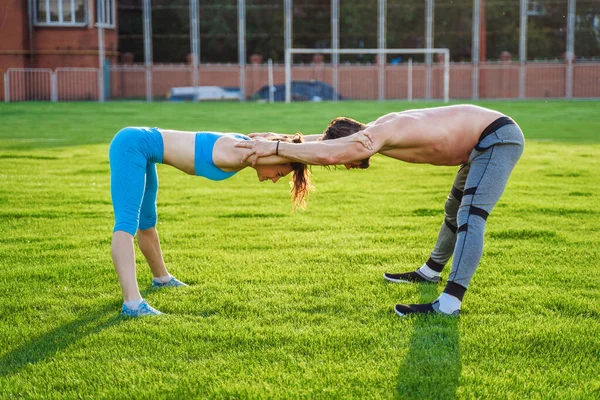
{"x":485,"y":184}
{"x":147,"y":236}
{"x":444,"y":246}
{"x":490,"y":170}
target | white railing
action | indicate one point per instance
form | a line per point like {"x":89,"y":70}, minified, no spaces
{"x":28,"y":84}
{"x":76,"y":84}
{"x":404,"y":81}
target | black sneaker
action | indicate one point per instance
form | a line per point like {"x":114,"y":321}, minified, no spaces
{"x":428,"y":308}
{"x":410,"y":277}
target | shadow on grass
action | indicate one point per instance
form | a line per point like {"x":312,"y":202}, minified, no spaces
{"x":50,"y":343}
{"x":431,"y":369}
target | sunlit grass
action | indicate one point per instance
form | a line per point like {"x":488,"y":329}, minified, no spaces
{"x":292,"y":305}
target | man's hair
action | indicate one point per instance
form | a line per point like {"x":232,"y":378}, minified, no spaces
{"x":300,"y":181}
{"x":341,"y":127}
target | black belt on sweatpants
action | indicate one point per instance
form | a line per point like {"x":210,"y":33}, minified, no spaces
{"x":494,"y":126}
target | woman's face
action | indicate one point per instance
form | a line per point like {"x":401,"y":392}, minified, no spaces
{"x":272,"y":172}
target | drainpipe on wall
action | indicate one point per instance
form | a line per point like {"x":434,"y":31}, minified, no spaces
{"x":30,"y":23}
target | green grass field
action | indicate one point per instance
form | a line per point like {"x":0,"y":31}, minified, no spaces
{"x":293,"y":305}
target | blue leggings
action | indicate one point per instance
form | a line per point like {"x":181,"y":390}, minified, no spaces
{"x":133,"y":155}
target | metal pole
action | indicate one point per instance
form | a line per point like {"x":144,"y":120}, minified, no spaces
{"x":381,"y":55}
{"x":271,"y":88}
{"x":335,"y":44}
{"x":100,"y":26}
{"x":194,"y":41}
{"x":410,"y":80}
{"x":446,"y":76}
{"x":475,"y":50}
{"x":6,"y":90}
{"x":30,"y":27}
{"x":288,"y":45}
{"x":53,"y":87}
{"x":242,"y":47}
{"x":429,"y":45}
{"x":147,"y":14}
{"x":570,"y":47}
{"x":523,"y":49}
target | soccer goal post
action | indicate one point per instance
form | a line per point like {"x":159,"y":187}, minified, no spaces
{"x":289,"y":52}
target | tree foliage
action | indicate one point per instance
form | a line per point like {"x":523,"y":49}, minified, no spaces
{"x":358,"y":28}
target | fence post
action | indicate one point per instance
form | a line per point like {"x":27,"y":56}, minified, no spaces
{"x":410,"y":80}
{"x":570,"y":53}
{"x":271,"y":87}
{"x":53,"y":87}
{"x":6,"y":99}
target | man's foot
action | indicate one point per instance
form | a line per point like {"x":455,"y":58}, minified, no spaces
{"x":143,"y":309}
{"x":410,"y":277}
{"x":173,"y":282}
{"x":428,"y":308}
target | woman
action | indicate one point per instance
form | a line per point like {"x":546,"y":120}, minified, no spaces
{"x":133,"y":155}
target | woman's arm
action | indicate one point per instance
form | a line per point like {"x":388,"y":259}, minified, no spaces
{"x":356,"y":147}
{"x":227,"y":155}
{"x":275,"y":136}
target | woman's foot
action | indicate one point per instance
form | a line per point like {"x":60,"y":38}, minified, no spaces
{"x":172,"y":282}
{"x":143,"y":309}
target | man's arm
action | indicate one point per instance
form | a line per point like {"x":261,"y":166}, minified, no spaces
{"x":273,"y":135}
{"x":330,"y":152}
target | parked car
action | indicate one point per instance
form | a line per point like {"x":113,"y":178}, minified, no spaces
{"x":301,"y":91}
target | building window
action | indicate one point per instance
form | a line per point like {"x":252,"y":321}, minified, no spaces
{"x":60,"y":12}
{"x":106,"y":13}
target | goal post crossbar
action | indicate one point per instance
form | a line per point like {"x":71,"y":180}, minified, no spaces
{"x":290,"y":51}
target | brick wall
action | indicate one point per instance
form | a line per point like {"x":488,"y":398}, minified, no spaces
{"x":49,"y":46}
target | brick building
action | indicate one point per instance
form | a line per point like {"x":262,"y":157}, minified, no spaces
{"x":56,"y":33}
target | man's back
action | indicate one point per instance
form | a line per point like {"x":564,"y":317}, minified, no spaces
{"x":438,"y":136}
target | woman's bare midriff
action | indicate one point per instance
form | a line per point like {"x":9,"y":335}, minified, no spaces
{"x":179,"y":150}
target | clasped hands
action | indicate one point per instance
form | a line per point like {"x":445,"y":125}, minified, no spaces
{"x":264,"y":144}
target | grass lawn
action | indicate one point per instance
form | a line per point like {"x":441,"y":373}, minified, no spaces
{"x":293,"y":305}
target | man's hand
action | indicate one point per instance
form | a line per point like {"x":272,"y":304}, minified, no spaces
{"x":258,"y":149}
{"x":266,"y":136}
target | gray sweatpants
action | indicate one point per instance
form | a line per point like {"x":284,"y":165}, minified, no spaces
{"x":477,"y":188}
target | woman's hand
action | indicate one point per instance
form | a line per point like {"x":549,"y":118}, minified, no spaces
{"x":257,"y":149}
{"x":363,"y":138}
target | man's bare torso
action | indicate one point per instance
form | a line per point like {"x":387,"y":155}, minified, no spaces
{"x":438,"y":136}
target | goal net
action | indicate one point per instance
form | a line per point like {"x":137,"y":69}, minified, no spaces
{"x":401,"y":79}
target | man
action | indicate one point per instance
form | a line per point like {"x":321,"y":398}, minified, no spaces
{"x":485,"y":143}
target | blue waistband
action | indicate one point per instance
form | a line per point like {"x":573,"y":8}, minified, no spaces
{"x":146,"y":141}
{"x":203,"y":156}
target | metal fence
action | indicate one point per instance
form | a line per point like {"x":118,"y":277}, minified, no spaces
{"x":29,"y":84}
{"x":405,"y":81}
{"x":77,"y":84}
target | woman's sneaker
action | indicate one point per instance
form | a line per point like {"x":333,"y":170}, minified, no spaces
{"x":143,"y":309}
{"x":173,"y":282}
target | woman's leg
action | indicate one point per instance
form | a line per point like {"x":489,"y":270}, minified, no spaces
{"x":123,"y":257}
{"x":149,"y":244}
{"x":147,"y":235}
{"x":127,"y":183}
